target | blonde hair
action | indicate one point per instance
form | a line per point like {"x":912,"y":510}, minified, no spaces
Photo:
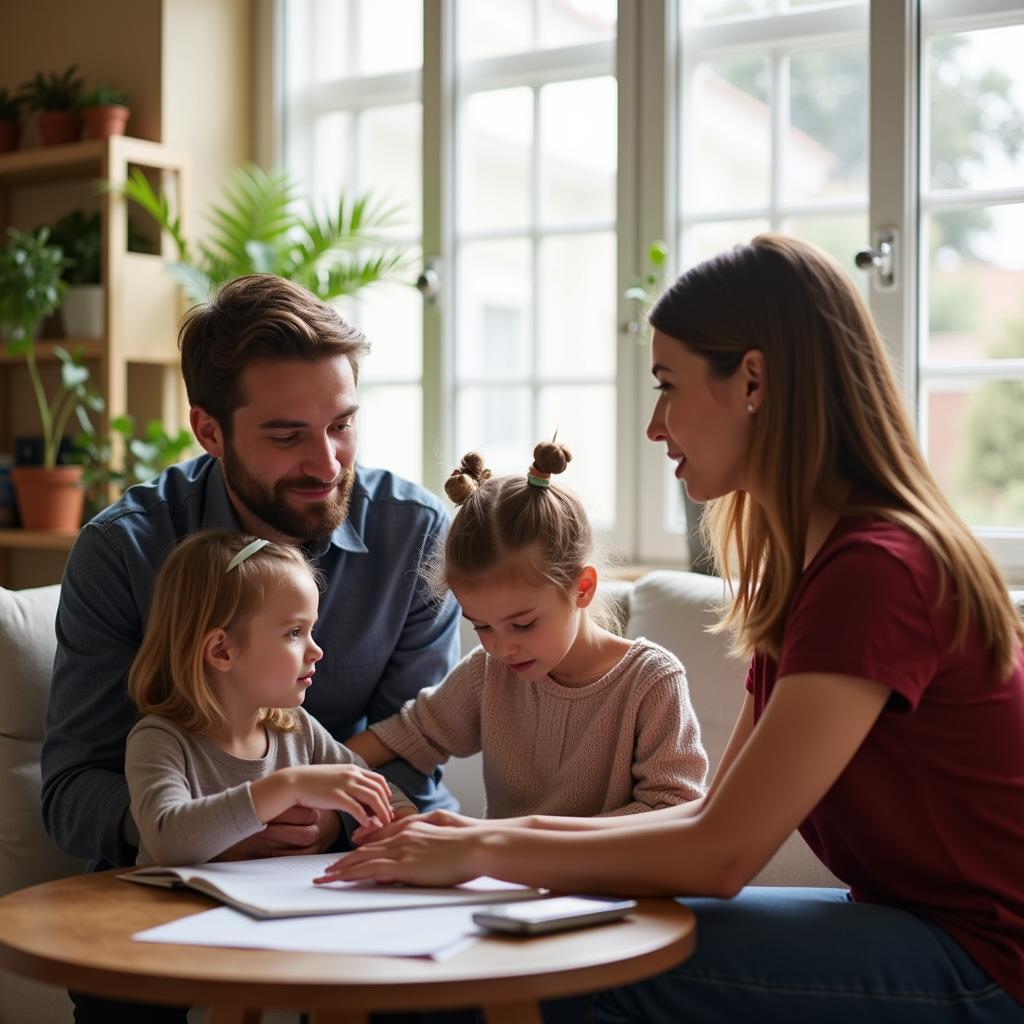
{"x":831,"y":409}
{"x":500,"y":517}
{"x":194,"y":594}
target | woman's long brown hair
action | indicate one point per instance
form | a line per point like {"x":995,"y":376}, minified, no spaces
{"x":831,"y":410}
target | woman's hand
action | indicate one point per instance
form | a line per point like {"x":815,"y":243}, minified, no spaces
{"x":419,"y":853}
{"x":372,"y":834}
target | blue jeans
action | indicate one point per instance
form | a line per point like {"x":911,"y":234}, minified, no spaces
{"x":808,"y":955}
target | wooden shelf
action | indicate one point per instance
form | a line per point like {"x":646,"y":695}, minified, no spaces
{"x":90,"y":348}
{"x":36,"y":540}
{"x":41,"y":164}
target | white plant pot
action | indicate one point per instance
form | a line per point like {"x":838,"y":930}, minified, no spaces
{"x":82,"y":311}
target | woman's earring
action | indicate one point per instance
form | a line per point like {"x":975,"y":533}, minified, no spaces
{"x":750,"y":407}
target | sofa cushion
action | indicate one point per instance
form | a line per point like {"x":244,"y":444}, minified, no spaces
{"x":675,"y":609}
{"x":27,"y":645}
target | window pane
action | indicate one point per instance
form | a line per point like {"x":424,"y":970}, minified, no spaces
{"x":726,"y":135}
{"x":568,"y":22}
{"x":827,"y":143}
{"x":840,"y":236}
{"x":486,"y":28}
{"x":975,"y":284}
{"x":976,"y":448}
{"x":976,"y":109}
{"x":695,"y":11}
{"x":578,"y":154}
{"x":356,"y":37}
{"x":390,"y":35}
{"x":493,"y":189}
{"x":496,"y":422}
{"x":493,"y":328}
{"x":585,"y":420}
{"x":577,"y":306}
{"x":332,"y":165}
{"x":390,"y":431}
{"x":391,"y":159}
{"x":390,"y":315}
{"x":702,"y":241}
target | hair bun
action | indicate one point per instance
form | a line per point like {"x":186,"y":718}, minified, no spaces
{"x":551,"y":458}
{"x":463,"y":482}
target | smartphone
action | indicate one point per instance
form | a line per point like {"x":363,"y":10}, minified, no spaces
{"x":538,"y":917}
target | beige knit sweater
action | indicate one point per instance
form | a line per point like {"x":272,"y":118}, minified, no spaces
{"x":627,"y":742}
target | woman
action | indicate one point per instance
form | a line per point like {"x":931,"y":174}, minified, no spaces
{"x":883,"y":635}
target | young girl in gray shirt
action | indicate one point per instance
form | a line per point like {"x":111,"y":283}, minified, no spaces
{"x":224,"y":746}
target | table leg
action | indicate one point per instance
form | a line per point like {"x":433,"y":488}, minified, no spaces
{"x":225,"y":1013}
{"x":513,"y":1013}
{"x":337,"y":1017}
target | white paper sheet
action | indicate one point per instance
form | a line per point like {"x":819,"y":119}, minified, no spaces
{"x":435,"y":932}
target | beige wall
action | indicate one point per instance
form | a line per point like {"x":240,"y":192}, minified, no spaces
{"x":116,"y":42}
{"x":206,"y":89}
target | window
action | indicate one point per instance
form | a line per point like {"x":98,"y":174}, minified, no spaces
{"x":539,"y":147}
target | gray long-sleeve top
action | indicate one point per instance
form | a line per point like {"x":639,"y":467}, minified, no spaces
{"x":191,"y":800}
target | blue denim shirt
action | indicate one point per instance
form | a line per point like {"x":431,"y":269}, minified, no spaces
{"x":382,"y":638}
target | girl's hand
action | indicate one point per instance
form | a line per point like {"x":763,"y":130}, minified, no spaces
{"x":373,"y":834}
{"x":344,"y":787}
{"x":325,"y":787}
{"x":418,"y":854}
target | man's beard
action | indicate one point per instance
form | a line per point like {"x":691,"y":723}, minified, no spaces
{"x":270,"y":504}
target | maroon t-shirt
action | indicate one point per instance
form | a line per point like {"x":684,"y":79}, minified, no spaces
{"x":929,"y":813}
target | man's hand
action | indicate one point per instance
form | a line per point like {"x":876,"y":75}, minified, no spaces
{"x":298,"y":831}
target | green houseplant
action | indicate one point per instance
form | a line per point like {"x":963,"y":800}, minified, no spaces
{"x":10,"y":120}
{"x":105,"y":112}
{"x":262,"y":226}
{"x":55,"y":96}
{"x":78,"y":234}
{"x":49,"y":496}
{"x":145,"y":457}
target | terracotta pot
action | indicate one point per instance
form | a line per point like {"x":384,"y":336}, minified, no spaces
{"x":49,"y":499}
{"x":10,"y":133}
{"x":102,"y":122}
{"x":57,"y":127}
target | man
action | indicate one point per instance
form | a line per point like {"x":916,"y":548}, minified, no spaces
{"x":271,"y":379}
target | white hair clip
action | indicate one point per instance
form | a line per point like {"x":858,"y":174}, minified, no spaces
{"x":250,"y":549}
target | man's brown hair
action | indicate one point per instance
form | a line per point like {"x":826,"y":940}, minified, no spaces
{"x":260,"y":316}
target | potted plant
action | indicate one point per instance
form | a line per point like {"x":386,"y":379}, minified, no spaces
{"x":10,"y":120}
{"x":55,"y":96}
{"x":263,"y":226}
{"x":78,"y":235}
{"x":49,"y":496}
{"x":105,"y":111}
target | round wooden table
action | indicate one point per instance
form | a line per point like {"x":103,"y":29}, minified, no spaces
{"x":76,"y":932}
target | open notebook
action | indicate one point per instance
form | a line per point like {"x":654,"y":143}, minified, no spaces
{"x":283,"y":887}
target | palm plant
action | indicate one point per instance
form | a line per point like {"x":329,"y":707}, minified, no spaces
{"x":262,"y":226}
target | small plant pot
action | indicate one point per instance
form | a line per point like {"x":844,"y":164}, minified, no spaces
{"x":10,"y":135}
{"x":49,"y":499}
{"x":57,"y":127}
{"x":102,"y":122}
{"x":81,"y":311}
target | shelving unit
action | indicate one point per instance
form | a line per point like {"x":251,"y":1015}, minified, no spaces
{"x":134,"y":364}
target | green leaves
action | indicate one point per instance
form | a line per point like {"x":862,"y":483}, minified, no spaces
{"x":263,"y":226}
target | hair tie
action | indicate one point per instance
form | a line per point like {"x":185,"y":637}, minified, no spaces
{"x":250,"y":549}
{"x":537,"y":477}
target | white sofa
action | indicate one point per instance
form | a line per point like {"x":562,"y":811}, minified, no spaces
{"x":671,"y":608}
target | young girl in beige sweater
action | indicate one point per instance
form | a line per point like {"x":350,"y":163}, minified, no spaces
{"x":571,"y":718}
